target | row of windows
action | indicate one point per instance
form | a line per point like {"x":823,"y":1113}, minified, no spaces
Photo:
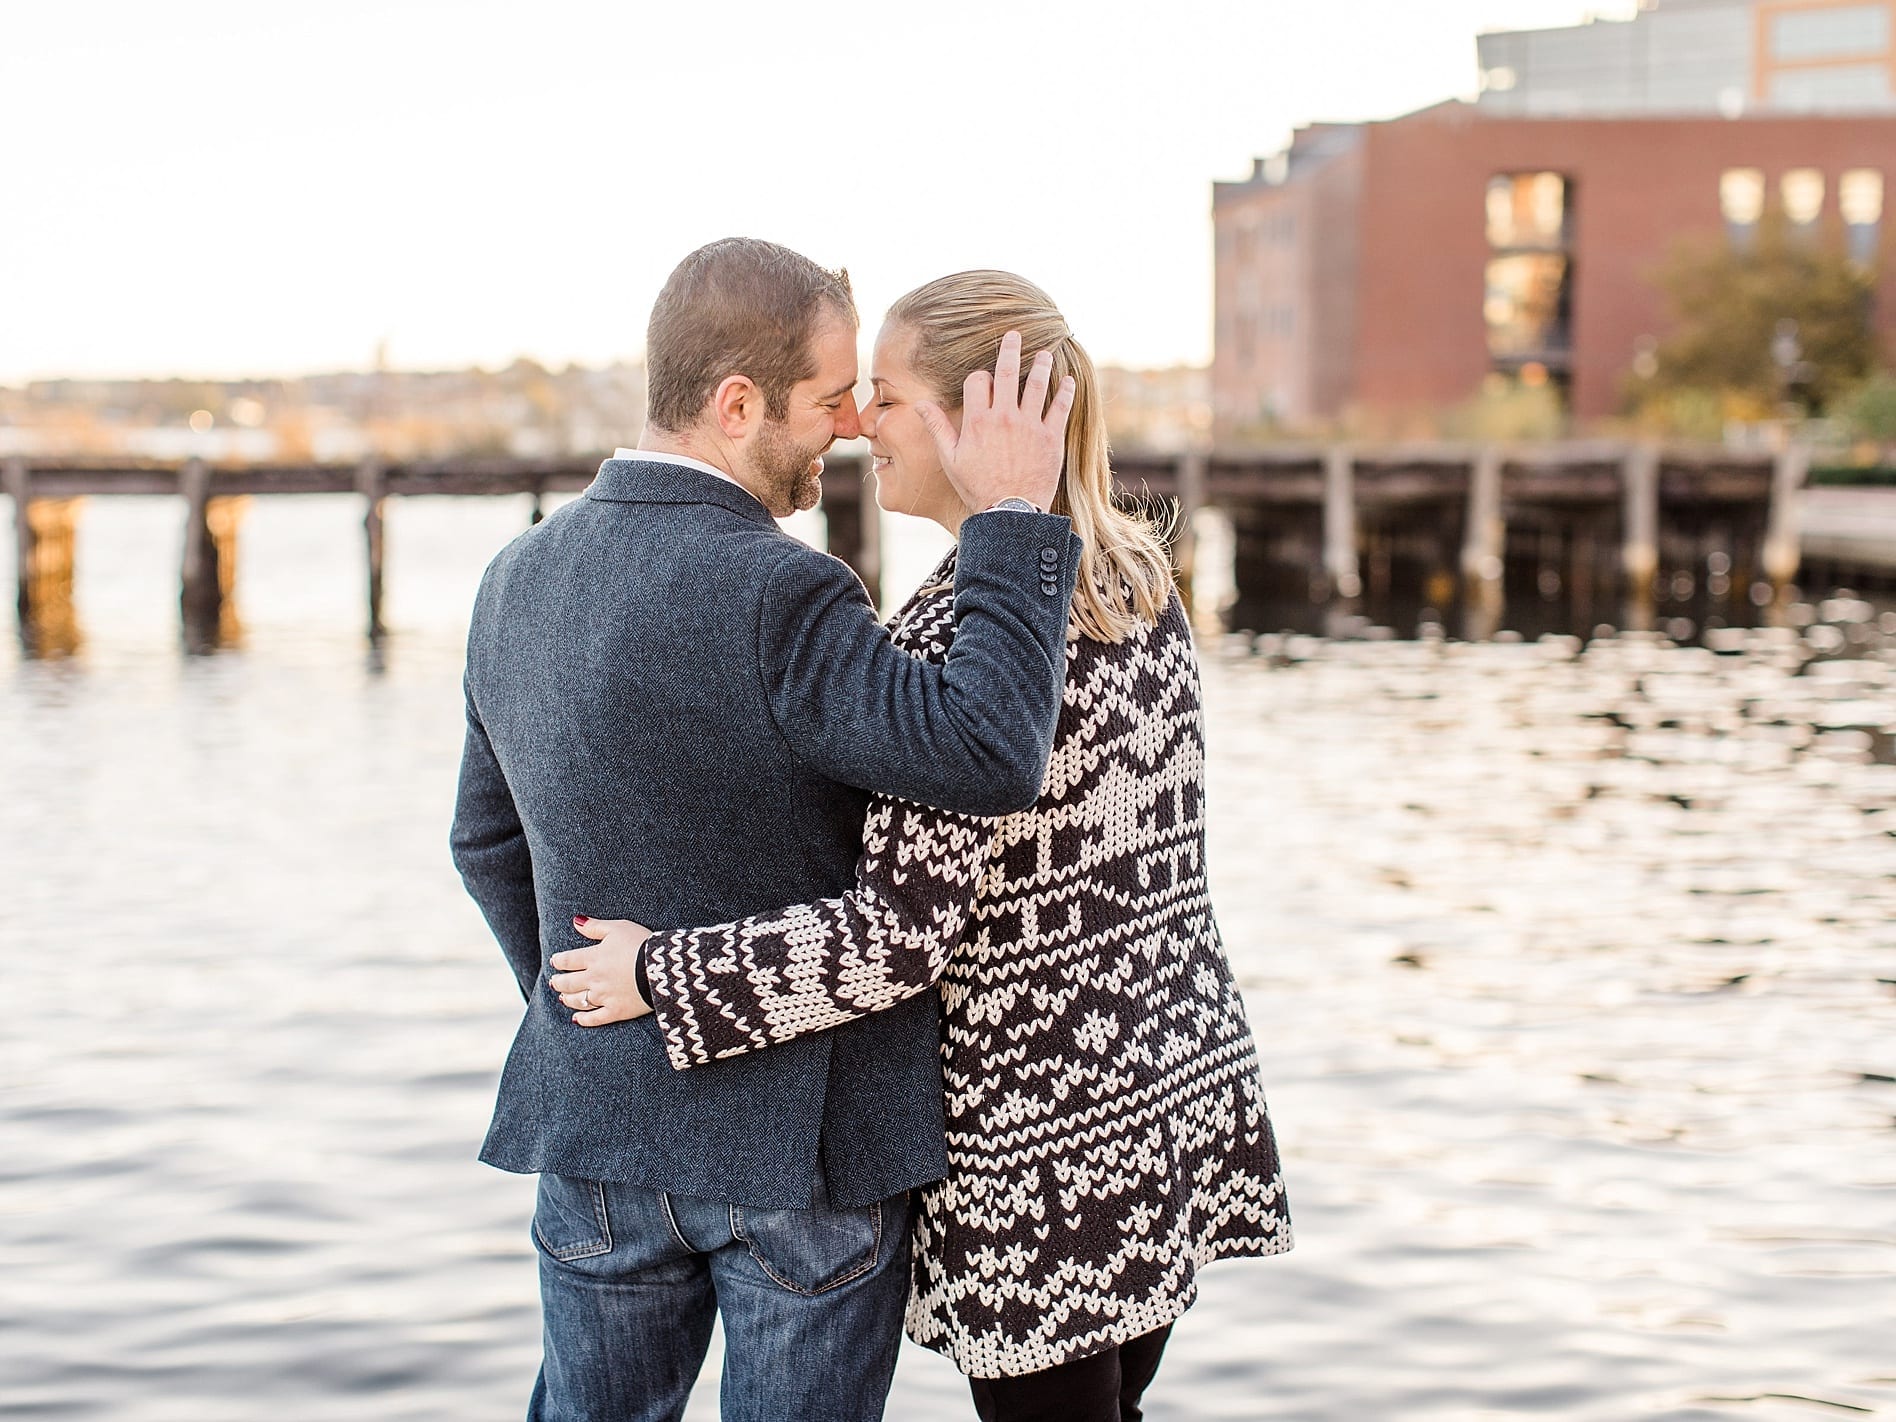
{"x":1742,"y":193}
{"x":1802,"y":195}
{"x":1534,"y":211}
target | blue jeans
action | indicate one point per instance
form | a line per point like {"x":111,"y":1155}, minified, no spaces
{"x":631,"y":1278}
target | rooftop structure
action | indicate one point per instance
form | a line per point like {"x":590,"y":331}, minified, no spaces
{"x":1726,"y":57}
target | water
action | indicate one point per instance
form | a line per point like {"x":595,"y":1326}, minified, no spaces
{"x":1571,"y":972}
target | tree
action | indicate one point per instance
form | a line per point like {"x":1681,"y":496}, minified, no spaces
{"x":1783,"y":319}
{"x":1870,"y":410}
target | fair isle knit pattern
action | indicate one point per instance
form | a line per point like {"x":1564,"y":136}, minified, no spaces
{"x":1107,"y":1132}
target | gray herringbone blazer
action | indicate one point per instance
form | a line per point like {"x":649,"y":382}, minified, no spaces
{"x":676,"y":713}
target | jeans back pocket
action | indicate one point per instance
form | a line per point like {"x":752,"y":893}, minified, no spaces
{"x":811,"y":1251}
{"x":569,"y":1218}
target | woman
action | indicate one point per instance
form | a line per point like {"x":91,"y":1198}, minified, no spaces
{"x":1107,"y":1132}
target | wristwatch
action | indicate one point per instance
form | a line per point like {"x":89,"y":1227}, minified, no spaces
{"x":1014,"y":504}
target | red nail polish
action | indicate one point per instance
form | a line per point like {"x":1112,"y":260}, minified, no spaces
{"x":581,"y":918}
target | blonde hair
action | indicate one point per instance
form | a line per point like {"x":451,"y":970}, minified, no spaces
{"x":956,"y":324}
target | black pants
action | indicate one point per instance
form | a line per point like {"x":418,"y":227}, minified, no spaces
{"x":1105,"y":1387}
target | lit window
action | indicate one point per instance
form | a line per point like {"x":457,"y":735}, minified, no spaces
{"x":1527,"y":307}
{"x":1860,"y":198}
{"x":1803,"y":191}
{"x":1547,"y":202}
{"x":1741,"y":195}
{"x":1527,"y":210}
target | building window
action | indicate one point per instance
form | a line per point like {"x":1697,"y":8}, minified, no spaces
{"x":1527,"y":210}
{"x":1831,"y":87}
{"x":1829,"y":33}
{"x":1529,"y":309}
{"x":1803,"y":192}
{"x":1741,"y":195}
{"x":1860,"y":198}
{"x":1741,"y":199}
{"x":1528,"y":302}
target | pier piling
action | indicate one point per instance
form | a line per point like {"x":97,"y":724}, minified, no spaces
{"x":1484,"y":545}
{"x":1639,"y":546}
{"x":1783,"y":526}
{"x":1191,"y":498}
{"x":201,"y":588}
{"x":45,"y":537}
{"x":372,"y":484}
{"x":1340,"y":562}
{"x":19,"y":488}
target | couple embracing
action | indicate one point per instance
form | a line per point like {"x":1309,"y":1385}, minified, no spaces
{"x":870,"y":972}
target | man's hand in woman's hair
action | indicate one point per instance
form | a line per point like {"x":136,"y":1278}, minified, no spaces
{"x":1012,"y":439}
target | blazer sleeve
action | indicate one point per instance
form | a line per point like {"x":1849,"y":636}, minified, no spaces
{"x":741,"y":987}
{"x":971,"y":734}
{"x":489,"y":848}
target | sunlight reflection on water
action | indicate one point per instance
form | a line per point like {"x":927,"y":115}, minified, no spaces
{"x":1572,"y":974}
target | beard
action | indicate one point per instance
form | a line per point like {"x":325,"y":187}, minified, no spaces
{"x":790,"y":475}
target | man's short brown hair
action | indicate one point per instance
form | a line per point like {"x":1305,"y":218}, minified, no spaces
{"x":737,"y":306}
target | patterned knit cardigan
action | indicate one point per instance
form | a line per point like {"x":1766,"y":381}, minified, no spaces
{"x":1107,"y":1132}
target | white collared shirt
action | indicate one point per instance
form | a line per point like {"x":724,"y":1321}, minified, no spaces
{"x":659,"y":456}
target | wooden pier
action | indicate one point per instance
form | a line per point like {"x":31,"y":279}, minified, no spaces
{"x":1313,"y":525}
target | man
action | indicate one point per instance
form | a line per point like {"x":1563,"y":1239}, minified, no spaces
{"x":676,"y":714}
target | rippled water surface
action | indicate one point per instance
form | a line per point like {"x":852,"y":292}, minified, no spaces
{"x":1573,"y":971}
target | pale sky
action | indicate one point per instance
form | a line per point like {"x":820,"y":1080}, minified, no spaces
{"x":237,"y":187}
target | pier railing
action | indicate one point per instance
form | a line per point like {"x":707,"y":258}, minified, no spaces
{"x":1330,"y":521}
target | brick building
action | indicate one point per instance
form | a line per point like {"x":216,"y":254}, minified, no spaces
{"x":1400,"y":265}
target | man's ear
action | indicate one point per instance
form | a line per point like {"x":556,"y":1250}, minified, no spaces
{"x":737,"y":405}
